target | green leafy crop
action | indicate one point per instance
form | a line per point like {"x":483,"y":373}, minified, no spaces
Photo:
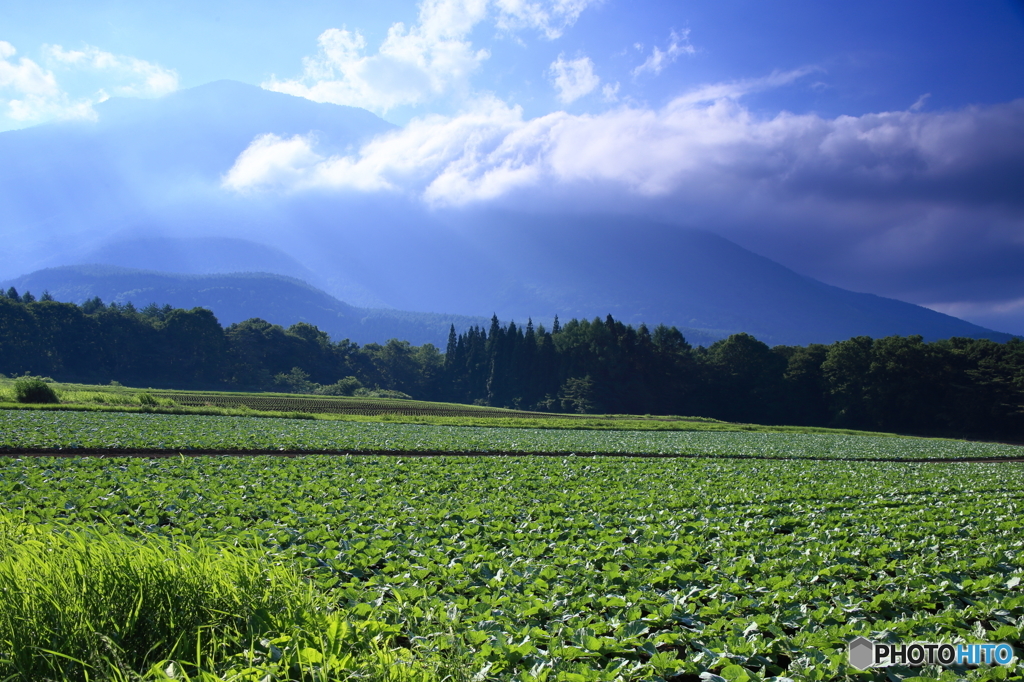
{"x":125,"y":431}
{"x":576,"y":568}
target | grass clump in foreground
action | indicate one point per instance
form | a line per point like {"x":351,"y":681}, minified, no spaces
{"x":81,"y":606}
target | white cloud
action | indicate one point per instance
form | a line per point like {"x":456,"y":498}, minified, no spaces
{"x":25,"y":76}
{"x":610,"y":93}
{"x":490,"y":149}
{"x":733,"y":90}
{"x":919,"y":104}
{"x":292,"y":164}
{"x":573,"y":79}
{"x":550,"y":18}
{"x":31,"y":93}
{"x":134,"y":77}
{"x":272,"y":161}
{"x":28,"y":91}
{"x":429,"y":60}
{"x":434,"y":151}
{"x":679,"y":44}
{"x":699,"y":148}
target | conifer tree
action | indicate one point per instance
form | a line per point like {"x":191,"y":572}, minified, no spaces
{"x":494,"y":334}
{"x":93,"y":305}
{"x":450,"y":349}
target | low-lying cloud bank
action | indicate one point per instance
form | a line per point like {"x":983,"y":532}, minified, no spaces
{"x":703,"y":147}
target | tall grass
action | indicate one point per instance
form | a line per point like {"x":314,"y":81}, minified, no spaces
{"x":77,"y":606}
{"x":122,"y":398}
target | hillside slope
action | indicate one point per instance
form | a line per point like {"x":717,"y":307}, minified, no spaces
{"x":239,"y":296}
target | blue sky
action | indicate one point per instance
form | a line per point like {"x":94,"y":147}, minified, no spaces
{"x":862,"y":57}
{"x":875,"y":145}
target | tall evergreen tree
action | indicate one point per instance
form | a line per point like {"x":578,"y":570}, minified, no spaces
{"x":450,"y":349}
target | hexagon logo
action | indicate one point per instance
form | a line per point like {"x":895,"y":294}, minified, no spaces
{"x":862,"y":653}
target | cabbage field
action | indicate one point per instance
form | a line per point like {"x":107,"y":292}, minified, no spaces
{"x":757,"y":557}
{"x":70,"y":431}
{"x":563,"y":568}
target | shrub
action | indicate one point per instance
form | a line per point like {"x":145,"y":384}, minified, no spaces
{"x":34,"y":390}
{"x":295,"y":381}
{"x":346,"y":386}
{"x":147,"y":399}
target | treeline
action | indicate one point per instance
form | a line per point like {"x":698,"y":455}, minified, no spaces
{"x":950,"y":387}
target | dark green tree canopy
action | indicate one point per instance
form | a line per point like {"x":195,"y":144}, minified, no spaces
{"x":952,"y":387}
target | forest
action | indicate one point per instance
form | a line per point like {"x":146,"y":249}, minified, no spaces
{"x":952,"y":387}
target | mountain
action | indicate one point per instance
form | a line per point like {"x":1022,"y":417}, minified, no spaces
{"x":150,"y":167}
{"x":695,"y":279}
{"x":198,"y":256}
{"x":285,"y":300}
{"x":239,"y":296}
{"x":140,"y":188}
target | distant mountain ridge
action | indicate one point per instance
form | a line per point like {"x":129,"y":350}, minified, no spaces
{"x":284,"y":300}
{"x":683,"y":277}
{"x":234,"y":297}
{"x":141,"y":188}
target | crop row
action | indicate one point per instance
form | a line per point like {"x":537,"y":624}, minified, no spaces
{"x":580,"y":568}
{"x":93,"y":430}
